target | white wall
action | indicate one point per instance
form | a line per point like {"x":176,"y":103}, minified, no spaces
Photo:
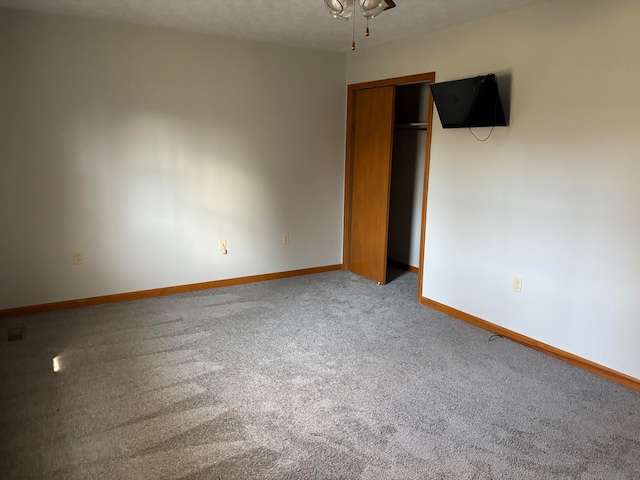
{"x":142,"y":147}
{"x":554,"y":198}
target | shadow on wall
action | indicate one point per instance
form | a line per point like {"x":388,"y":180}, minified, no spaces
{"x":504,"y":79}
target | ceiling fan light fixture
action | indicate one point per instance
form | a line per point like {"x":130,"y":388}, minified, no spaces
{"x":343,"y":10}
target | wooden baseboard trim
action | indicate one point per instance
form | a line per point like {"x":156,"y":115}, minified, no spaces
{"x":574,"y":360}
{"x":158,"y":292}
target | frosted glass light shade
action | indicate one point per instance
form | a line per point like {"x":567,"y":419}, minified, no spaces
{"x":341,"y":9}
{"x":372,"y":8}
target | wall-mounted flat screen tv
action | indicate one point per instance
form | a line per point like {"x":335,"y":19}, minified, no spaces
{"x":470,"y":102}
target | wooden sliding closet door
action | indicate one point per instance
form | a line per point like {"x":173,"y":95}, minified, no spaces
{"x":371,"y":180}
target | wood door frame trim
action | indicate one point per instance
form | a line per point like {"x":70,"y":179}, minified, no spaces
{"x":348,"y":177}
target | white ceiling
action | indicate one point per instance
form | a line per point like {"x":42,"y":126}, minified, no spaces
{"x":303,"y":23}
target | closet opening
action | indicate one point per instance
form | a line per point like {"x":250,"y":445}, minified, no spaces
{"x":407,"y":178}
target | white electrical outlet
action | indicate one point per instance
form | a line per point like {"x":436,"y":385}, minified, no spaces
{"x":222,"y":245}
{"x":78,"y":258}
{"x":517,"y":284}
{"x":285,"y":239}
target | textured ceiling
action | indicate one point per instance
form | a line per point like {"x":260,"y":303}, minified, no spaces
{"x":304,"y":23}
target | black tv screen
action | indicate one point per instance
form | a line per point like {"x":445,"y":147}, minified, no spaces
{"x":470,"y":102}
